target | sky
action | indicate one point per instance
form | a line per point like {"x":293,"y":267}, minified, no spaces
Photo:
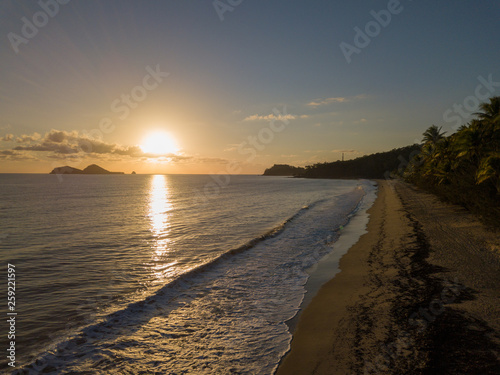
{"x":235,"y":86}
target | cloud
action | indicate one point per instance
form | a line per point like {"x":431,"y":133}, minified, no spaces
{"x":60,"y":142}
{"x":73,"y":146}
{"x":7,"y":137}
{"x":68,"y":157}
{"x":49,"y":147}
{"x":11,"y":155}
{"x":8,"y":152}
{"x":318,"y":102}
{"x":57,"y":136}
{"x":360,"y":121}
{"x":123,"y":150}
{"x":212,"y":160}
{"x":327,"y":101}
{"x":28,"y":138}
{"x":271,"y":117}
{"x":66,"y":143}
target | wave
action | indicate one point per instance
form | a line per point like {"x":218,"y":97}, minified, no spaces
{"x":83,"y":346}
{"x":167,"y":298}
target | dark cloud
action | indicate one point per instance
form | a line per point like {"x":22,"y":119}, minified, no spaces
{"x":56,"y":136}
{"x":71,"y":157}
{"x":90,"y":146}
{"x":49,"y":147}
{"x":8,"y":152}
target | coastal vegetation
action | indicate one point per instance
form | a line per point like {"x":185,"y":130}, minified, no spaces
{"x":283,"y":170}
{"x":377,"y":166}
{"x":463,"y":167}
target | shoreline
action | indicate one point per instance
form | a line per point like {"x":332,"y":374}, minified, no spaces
{"x":417,"y":293}
{"x":328,"y":266}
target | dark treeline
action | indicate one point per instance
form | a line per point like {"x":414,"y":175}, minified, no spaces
{"x":463,"y":167}
{"x":283,"y":170}
{"x":380,"y":165}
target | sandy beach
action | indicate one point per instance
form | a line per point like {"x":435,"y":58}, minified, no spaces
{"x":418,"y":294}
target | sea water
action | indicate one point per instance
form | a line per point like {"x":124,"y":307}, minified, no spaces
{"x":170,"y":274}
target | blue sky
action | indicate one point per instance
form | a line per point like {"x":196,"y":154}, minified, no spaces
{"x":229,"y":78}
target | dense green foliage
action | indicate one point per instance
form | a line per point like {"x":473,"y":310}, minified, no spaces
{"x":463,"y":167}
{"x":380,"y":165}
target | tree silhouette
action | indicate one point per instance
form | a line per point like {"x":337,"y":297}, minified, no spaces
{"x":465,"y":166}
{"x":433,"y":134}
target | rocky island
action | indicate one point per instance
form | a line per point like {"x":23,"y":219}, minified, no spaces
{"x":91,"y":169}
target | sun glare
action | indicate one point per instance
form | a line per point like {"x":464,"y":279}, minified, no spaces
{"x":159,"y":143}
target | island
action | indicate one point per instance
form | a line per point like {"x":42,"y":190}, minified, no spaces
{"x":91,"y":169}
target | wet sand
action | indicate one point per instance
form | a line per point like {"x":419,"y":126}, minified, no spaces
{"x":418,"y":294}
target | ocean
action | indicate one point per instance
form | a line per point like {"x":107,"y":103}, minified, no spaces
{"x":167,"y":274}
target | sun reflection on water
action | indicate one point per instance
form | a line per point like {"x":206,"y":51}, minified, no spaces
{"x":160,"y":208}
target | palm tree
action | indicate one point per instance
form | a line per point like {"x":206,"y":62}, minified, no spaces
{"x":468,"y":161}
{"x":490,"y":111}
{"x":433,"y":135}
{"x":489,"y":169}
{"x":490,"y":123}
{"x":470,"y":141}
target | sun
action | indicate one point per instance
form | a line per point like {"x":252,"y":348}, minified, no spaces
{"x":159,"y":143}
